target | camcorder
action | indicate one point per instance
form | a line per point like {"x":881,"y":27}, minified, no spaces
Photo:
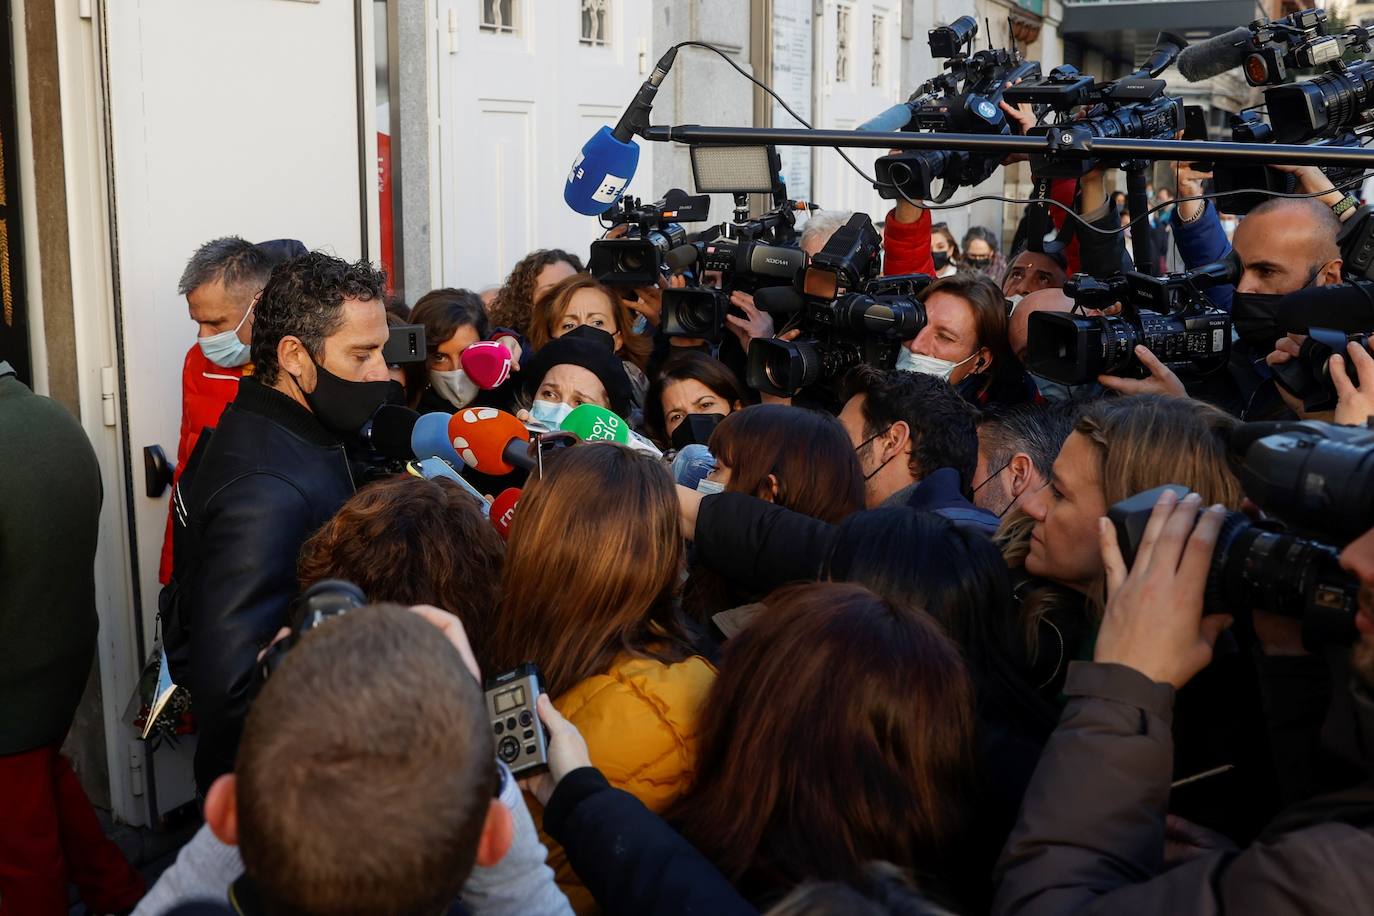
{"x":1324,"y":106}
{"x":654,"y":242}
{"x":1317,"y":479}
{"x":1330,"y":317}
{"x":1168,"y":314}
{"x":1133,"y":107}
{"x":847,"y":315}
{"x":964,"y":99}
{"x":746,"y":255}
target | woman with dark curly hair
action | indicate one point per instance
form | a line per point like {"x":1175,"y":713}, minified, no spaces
{"x":529,"y":278}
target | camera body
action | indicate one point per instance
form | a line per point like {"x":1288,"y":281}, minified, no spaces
{"x":749,"y":255}
{"x":521,"y":742}
{"x":847,"y":315}
{"x":1169,"y":315}
{"x":321,"y":602}
{"x":1327,"y":329}
{"x":654,"y":240}
{"x":1134,"y":107}
{"x":964,"y":99}
{"x":1316,"y":477}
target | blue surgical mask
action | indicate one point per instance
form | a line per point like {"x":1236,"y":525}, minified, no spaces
{"x":709,"y":487}
{"x":550,"y":414}
{"x":641,"y":325}
{"x":225,"y":349}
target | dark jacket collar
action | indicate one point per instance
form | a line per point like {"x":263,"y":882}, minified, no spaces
{"x":937,"y":490}
{"x":267,"y":402}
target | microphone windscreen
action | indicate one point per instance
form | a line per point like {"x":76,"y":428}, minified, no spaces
{"x":480,"y":435}
{"x":392,"y":426}
{"x":593,"y":423}
{"x":1215,"y":56}
{"x":600,"y":173}
{"x":486,"y":363}
{"x":503,"y":511}
{"x":1344,"y":307}
{"x":893,"y":119}
{"x":430,"y":438}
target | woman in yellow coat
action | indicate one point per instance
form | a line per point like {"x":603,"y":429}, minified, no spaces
{"x":591,"y":575}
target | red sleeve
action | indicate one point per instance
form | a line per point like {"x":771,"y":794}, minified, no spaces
{"x":206,"y":389}
{"x":1065,"y":190}
{"x":906,"y":246}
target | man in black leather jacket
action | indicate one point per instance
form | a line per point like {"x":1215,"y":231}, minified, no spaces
{"x":273,"y":471}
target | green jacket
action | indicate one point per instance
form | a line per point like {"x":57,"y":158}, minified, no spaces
{"x":50,"y":496}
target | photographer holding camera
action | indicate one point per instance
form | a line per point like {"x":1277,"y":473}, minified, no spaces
{"x":1104,"y":852}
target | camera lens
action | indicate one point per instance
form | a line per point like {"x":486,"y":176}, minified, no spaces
{"x":1255,"y":569}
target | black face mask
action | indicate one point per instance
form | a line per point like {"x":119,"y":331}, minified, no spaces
{"x":695,"y":429}
{"x":941,"y":259}
{"x":1255,"y":316}
{"x":344,"y":407}
{"x":977,"y":263}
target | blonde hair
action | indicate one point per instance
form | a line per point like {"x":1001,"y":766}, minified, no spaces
{"x":1142,"y":441}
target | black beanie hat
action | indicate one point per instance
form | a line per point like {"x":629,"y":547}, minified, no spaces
{"x":592,"y":349}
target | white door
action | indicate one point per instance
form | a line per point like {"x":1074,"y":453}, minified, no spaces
{"x":225,"y":119}
{"x":522,"y":84}
{"x":858,"y":74}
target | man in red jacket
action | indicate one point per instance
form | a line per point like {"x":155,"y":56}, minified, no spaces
{"x":221,"y":284}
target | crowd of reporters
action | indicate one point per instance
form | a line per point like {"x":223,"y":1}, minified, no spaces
{"x":902,"y":578}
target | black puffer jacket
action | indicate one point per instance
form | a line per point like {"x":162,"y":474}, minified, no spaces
{"x":269,"y":478}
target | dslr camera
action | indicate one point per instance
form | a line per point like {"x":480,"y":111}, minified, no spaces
{"x":1330,"y":317}
{"x":1318,"y":478}
{"x":1232,"y":179}
{"x":847,"y":315}
{"x":1169,"y":315}
{"x":654,"y":242}
{"x":962,"y":100}
{"x":1134,"y":106}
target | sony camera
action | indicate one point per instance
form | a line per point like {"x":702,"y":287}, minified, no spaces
{"x":1324,"y":106}
{"x":965,"y":100}
{"x":1329,"y":317}
{"x":654,"y":242}
{"x":746,"y":255}
{"x":1134,"y":106}
{"x":1169,"y":315}
{"x":1318,"y":478}
{"x":847,"y":315}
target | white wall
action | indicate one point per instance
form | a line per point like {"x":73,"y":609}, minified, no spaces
{"x":214,"y":119}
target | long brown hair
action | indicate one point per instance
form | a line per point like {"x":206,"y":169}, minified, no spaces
{"x":412,"y":541}
{"x":592,"y":565}
{"x":515,"y":299}
{"x":808,"y":453}
{"x":839,"y":731}
{"x":549,"y":308}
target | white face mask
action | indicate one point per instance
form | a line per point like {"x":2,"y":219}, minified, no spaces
{"x":928,"y":365}
{"x":1013,"y":302}
{"x":550,"y":414}
{"x":454,"y":386}
{"x":709,"y":487}
{"x":225,"y":349}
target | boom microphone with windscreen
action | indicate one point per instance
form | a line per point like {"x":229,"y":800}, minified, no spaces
{"x":491,"y":441}
{"x":1215,"y":56}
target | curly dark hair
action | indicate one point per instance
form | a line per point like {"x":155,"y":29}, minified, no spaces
{"x":943,"y":426}
{"x":304,"y":299}
{"x":413,"y":541}
{"x":515,"y":299}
